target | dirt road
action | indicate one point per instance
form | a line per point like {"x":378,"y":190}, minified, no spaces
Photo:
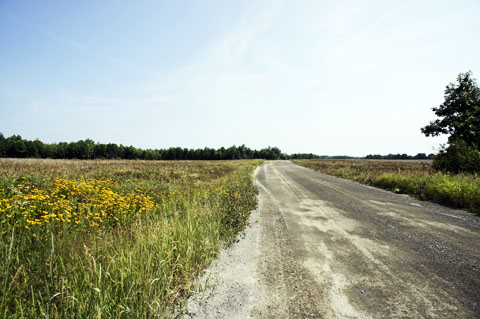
{"x":322,"y":247}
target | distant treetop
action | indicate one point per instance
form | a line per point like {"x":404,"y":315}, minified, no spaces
{"x":16,"y":147}
{"x":419,"y":156}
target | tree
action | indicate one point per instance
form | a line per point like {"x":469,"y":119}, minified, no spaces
{"x":15,"y":147}
{"x":3,"y":146}
{"x":460,"y":113}
{"x":459,"y":116}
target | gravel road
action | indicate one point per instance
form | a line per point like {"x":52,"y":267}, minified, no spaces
{"x":323,"y":247}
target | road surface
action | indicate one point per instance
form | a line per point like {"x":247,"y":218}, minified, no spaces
{"x":323,"y":247}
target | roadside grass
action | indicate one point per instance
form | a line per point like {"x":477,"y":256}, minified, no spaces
{"x":409,"y":177}
{"x":113,"y":239}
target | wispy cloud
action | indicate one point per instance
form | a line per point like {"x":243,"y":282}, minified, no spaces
{"x":333,"y":72}
{"x":74,"y":44}
{"x":360,"y":36}
{"x":251,"y":24}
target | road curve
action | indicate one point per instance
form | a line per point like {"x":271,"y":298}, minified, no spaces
{"x":331,"y":248}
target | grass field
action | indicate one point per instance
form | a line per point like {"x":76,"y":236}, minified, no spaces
{"x":409,"y":177}
{"x":113,"y":239}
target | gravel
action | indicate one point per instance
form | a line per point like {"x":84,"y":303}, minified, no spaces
{"x":228,"y":287}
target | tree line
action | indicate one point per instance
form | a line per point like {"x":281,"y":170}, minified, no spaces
{"x":17,"y":147}
{"x":419,"y":156}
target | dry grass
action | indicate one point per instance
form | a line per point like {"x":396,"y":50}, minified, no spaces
{"x":113,"y":239}
{"x":410,"y":177}
{"x":366,"y":167}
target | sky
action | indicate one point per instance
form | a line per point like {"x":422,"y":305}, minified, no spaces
{"x":326,"y":77}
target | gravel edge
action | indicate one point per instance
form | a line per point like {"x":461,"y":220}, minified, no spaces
{"x":229,"y":286}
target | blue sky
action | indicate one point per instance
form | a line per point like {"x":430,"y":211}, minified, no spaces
{"x":328,"y":77}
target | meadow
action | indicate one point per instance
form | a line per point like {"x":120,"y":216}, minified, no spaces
{"x":113,"y":239}
{"x":415,"y":178}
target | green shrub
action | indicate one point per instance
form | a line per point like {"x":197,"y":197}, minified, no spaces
{"x":458,"y":157}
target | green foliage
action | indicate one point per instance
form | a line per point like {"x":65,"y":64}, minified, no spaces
{"x":458,"y":157}
{"x":16,"y":147}
{"x":236,"y":202}
{"x":459,"y":116}
{"x":139,"y":269}
{"x":459,"y":113}
{"x":458,"y":191}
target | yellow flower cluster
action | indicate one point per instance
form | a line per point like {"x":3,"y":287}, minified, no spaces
{"x":88,"y":204}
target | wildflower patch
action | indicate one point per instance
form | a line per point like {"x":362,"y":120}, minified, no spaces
{"x":90,"y":204}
